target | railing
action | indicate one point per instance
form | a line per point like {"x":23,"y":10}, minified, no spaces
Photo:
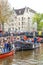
{"x":28,"y":34}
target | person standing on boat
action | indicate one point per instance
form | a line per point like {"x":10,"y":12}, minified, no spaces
{"x":38,"y":39}
{"x":2,"y":46}
{"x":9,"y":44}
{"x":6,"y":46}
{"x":30,"y":40}
{"x":35,"y":39}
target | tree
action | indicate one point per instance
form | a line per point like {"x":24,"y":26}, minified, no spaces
{"x":41,"y":16}
{"x":5,"y":13}
{"x":41,"y":25}
{"x":37,"y":19}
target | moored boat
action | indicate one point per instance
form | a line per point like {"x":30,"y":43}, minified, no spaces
{"x":4,"y":55}
{"x":23,"y":45}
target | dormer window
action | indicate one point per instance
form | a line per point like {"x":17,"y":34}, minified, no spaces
{"x":19,"y":11}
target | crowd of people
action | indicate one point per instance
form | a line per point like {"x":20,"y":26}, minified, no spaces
{"x":34,"y":40}
{"x":6,"y":44}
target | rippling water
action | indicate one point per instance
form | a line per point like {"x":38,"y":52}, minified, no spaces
{"x":30,"y":57}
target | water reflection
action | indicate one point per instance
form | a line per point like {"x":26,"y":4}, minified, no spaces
{"x":31,"y":57}
{"x":6,"y":61}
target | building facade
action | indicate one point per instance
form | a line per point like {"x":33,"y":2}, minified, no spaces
{"x":21,"y":20}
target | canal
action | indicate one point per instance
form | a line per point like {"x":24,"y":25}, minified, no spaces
{"x":30,"y":57}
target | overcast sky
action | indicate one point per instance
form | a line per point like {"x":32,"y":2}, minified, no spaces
{"x":36,"y":5}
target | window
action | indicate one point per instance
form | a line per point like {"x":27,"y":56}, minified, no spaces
{"x":15,"y":17}
{"x":28,"y":18}
{"x":22,"y":18}
{"x":12,"y":20}
{"x":19,"y":23}
{"x":9,"y":29}
{"x":19,"y":28}
{"x":12,"y":24}
{"x":19,"y":11}
{"x":19,"y":18}
{"x":22,"y":26}
{"x":15,"y":29}
{"x":22,"y":23}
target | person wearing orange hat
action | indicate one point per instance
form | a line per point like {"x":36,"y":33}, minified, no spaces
{"x":25,"y":37}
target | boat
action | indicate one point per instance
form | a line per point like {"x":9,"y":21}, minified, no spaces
{"x":24,"y":45}
{"x":4,"y":55}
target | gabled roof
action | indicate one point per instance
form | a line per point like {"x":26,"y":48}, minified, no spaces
{"x":21,"y":11}
{"x":31,"y":10}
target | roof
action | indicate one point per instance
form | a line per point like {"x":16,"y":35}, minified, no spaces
{"x":21,"y":11}
{"x":31,"y":10}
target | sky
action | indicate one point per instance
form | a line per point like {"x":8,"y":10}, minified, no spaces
{"x":36,"y":5}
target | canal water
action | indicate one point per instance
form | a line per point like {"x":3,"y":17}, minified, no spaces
{"x":30,"y":57}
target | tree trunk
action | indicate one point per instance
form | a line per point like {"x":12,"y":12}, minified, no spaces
{"x":2,"y":26}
